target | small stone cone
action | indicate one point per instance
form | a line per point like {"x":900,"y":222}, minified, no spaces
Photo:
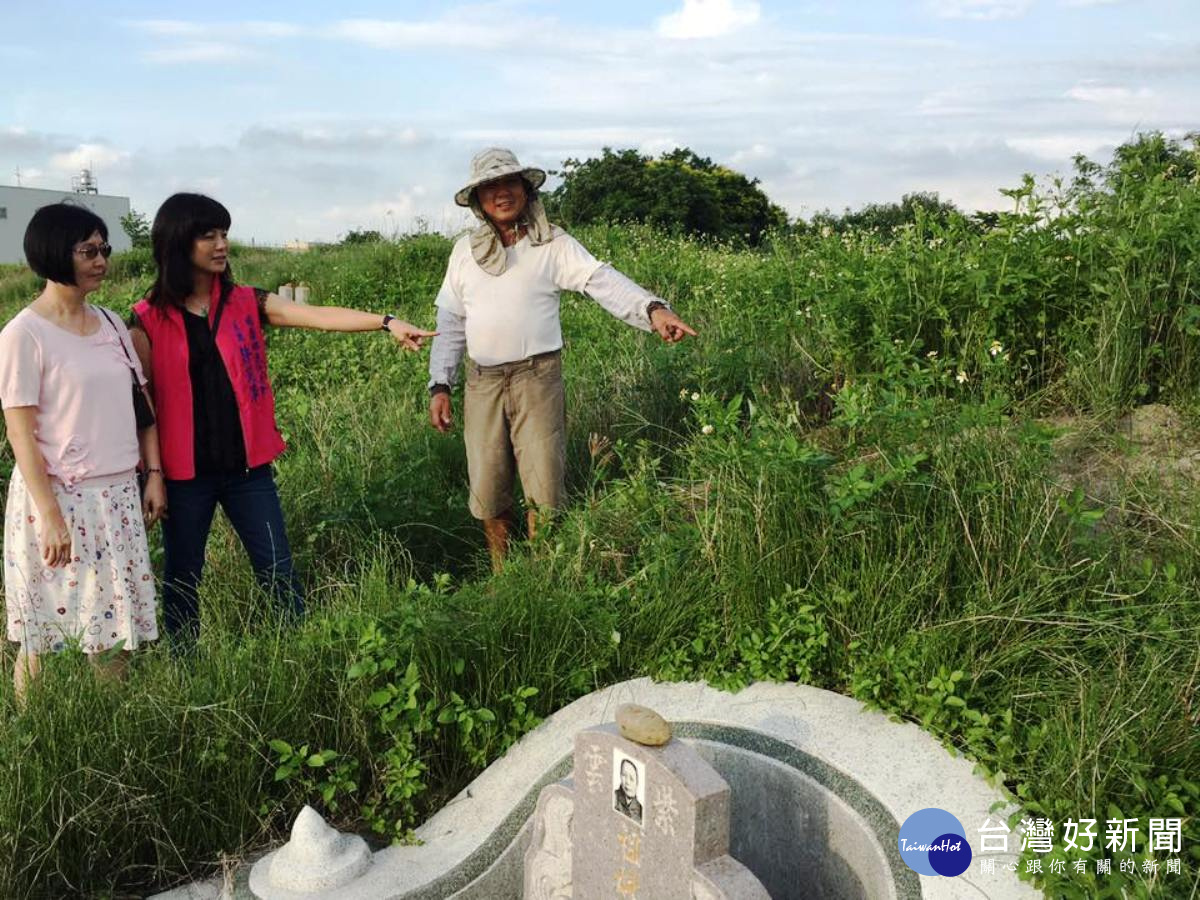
{"x":318,"y":857}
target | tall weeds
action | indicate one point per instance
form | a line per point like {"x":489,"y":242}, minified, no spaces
{"x":855,"y":478}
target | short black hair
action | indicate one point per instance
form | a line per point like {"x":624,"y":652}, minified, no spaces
{"x":179,"y":221}
{"x":51,"y":236}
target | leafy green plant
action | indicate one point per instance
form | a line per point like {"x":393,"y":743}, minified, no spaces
{"x":323,"y":774}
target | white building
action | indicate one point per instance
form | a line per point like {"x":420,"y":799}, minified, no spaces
{"x":18,"y":204}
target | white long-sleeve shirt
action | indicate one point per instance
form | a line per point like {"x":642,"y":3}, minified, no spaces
{"x":508,"y":317}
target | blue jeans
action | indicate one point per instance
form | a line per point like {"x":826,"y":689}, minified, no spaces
{"x":251,"y":503}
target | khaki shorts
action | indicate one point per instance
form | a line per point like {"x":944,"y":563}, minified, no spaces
{"x":514,"y":422}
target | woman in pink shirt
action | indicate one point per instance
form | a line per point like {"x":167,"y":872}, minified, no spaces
{"x":76,"y":564}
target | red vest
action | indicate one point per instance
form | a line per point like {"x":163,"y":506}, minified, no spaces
{"x":244,"y":352}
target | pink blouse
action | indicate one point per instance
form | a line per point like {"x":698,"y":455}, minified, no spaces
{"x":81,"y":388}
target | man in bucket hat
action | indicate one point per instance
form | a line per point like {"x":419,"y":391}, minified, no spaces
{"x":499,"y":302}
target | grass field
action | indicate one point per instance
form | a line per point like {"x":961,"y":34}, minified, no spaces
{"x":899,"y":466}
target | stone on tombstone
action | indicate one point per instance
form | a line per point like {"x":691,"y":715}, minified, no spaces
{"x":642,"y":725}
{"x":318,"y":857}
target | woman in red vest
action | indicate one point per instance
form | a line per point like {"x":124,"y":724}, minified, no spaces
{"x":200,"y":339}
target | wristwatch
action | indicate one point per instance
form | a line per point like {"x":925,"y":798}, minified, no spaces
{"x":653,"y":305}
{"x":387,"y":318}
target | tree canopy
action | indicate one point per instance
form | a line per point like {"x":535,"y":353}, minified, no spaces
{"x":137,"y":227}
{"x":679,"y":191}
{"x":362,"y":236}
{"x":887,"y":217}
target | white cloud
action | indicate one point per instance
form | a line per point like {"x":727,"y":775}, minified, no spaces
{"x":761,"y":160}
{"x":952,"y":102}
{"x":331,"y":138}
{"x":1108,"y":95}
{"x":167,"y":27}
{"x":1119,"y":104}
{"x":18,"y":140}
{"x":211,"y":31}
{"x":400,"y":205}
{"x":182,"y":42}
{"x":197,"y":51}
{"x":30,"y":176}
{"x":446,"y":32}
{"x":1061,"y":148}
{"x":657,"y":146}
{"x":1089,"y":3}
{"x":89,"y":156}
{"x":484,"y":27}
{"x":268,"y":30}
{"x":979,"y":10}
{"x":753,"y":154}
{"x":708,"y":18}
{"x":603,"y":136}
{"x":403,"y":212}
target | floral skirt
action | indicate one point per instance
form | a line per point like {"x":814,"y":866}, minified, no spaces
{"x":105,"y":594}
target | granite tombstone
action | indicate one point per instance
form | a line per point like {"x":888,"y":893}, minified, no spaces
{"x":635,"y":821}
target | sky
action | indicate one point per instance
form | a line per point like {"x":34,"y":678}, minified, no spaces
{"x":311,"y":119}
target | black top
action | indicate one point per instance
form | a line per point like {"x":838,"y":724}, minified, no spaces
{"x":219,"y":447}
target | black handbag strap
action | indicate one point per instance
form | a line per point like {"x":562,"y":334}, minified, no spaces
{"x":121,"y":341}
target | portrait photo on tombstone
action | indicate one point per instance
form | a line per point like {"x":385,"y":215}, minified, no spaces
{"x":629,"y":789}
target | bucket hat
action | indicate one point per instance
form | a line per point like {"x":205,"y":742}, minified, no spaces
{"x":492,"y":163}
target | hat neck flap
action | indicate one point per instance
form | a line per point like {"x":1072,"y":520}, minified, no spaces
{"x":487,"y":246}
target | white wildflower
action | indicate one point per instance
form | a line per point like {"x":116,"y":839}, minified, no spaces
{"x":961,"y":377}
{"x":996,"y":349}
{"x":707,"y":429}
{"x":695,"y":396}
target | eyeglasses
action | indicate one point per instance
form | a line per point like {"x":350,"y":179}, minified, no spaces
{"x":89,"y":251}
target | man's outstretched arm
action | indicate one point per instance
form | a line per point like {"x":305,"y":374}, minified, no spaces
{"x":628,"y":301}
